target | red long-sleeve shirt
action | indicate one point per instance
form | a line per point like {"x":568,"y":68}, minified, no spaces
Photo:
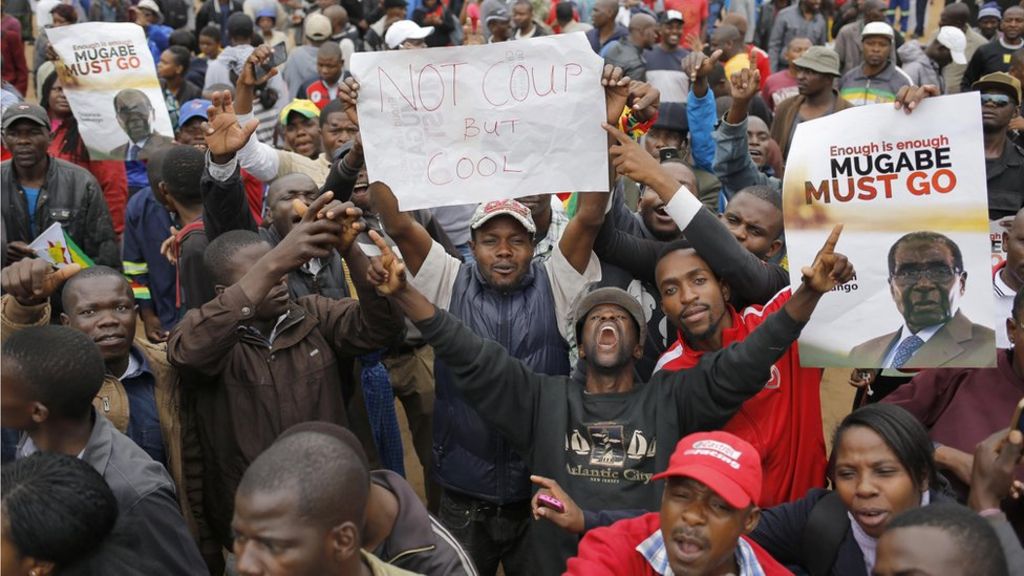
{"x":783,"y":421}
{"x":109,"y":173}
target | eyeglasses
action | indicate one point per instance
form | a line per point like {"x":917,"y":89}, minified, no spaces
{"x":937,"y":274}
{"x":999,"y":100}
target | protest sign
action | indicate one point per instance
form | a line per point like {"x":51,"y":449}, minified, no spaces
{"x":922,"y":300}
{"x":111,"y":85}
{"x":447,"y":126}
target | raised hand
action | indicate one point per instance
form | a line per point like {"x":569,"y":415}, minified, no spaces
{"x":344,"y":213}
{"x":387,"y":273}
{"x":310,"y":237}
{"x":33,"y":280}
{"x":745,"y":84}
{"x":644,"y":100}
{"x":251,"y":76}
{"x":829,"y":268}
{"x":632,"y":161}
{"x":570,"y":520}
{"x":698,"y":65}
{"x":908,"y":97}
{"x":616,"y":91}
{"x":224,"y":137}
{"x":348,"y":93}
{"x":992,"y":473}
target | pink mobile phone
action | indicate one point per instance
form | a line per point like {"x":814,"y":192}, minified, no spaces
{"x":551,"y":502}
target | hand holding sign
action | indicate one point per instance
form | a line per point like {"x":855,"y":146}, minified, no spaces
{"x":33,"y":280}
{"x":224,"y":137}
{"x":348,"y":93}
{"x":616,"y":91}
{"x":387,"y":273}
{"x":829,"y":269}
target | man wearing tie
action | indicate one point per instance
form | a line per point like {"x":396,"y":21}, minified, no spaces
{"x":135,"y":115}
{"x":927,"y":280}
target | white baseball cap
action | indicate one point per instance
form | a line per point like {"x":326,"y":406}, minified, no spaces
{"x":877,"y":29}
{"x":953,"y":38}
{"x":317,"y":27}
{"x":404,"y":30}
{"x":151,"y":6}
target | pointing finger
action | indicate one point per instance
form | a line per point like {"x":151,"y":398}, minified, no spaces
{"x":713,"y":59}
{"x":833,"y":239}
{"x":385,"y":250}
{"x":618,"y":134}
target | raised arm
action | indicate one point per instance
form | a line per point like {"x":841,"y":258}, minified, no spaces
{"x":202,"y":340}
{"x":700,"y":107}
{"x":709,"y":395}
{"x":257,"y":158}
{"x":476,"y":363}
{"x":753,"y":280}
{"x":225,"y":207}
{"x":733,"y":164}
{"x":27,"y":286}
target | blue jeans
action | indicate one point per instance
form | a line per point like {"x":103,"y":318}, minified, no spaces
{"x":490,"y":534}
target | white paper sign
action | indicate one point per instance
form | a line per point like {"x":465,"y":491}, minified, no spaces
{"x":448,"y":126}
{"x":910,"y":192}
{"x":106,"y":64}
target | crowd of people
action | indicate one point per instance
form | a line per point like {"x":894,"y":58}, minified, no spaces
{"x":591,"y":383}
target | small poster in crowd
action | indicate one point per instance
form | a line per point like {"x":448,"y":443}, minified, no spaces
{"x":910,"y":192}
{"x":110,"y":81}
{"x":470,"y":124}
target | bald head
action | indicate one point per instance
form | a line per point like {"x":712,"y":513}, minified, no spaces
{"x":956,"y":14}
{"x":738,"y":20}
{"x":727,"y":39}
{"x":328,"y":477}
{"x":643,"y":30}
{"x":338,"y":17}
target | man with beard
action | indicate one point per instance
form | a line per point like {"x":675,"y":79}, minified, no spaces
{"x":927,"y":280}
{"x":715,"y":477}
{"x":524,"y":304}
{"x":665,"y":60}
{"x":783,"y":422}
{"x":599,"y":437}
{"x":878,"y":79}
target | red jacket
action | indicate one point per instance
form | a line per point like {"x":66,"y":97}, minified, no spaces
{"x":783,"y":421}
{"x":612,"y":551}
{"x":110,"y":175}
{"x":318,"y":93}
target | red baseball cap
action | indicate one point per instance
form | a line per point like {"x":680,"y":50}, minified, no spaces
{"x":727,"y":464}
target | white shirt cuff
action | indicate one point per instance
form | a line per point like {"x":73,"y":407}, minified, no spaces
{"x":683,"y":207}
{"x":243,"y":118}
{"x":221,"y":172}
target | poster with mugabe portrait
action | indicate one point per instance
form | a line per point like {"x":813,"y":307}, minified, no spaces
{"x":910,"y":192}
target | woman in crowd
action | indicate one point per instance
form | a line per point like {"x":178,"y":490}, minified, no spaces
{"x":66,"y":143}
{"x":881,"y":465}
{"x":59,"y":517}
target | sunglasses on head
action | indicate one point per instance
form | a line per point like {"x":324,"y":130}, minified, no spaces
{"x":999,"y":100}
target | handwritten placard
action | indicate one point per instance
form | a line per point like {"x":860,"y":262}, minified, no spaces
{"x":447,"y":126}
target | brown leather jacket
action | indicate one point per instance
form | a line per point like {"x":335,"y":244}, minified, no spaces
{"x":184,"y":459}
{"x":785,"y":116}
